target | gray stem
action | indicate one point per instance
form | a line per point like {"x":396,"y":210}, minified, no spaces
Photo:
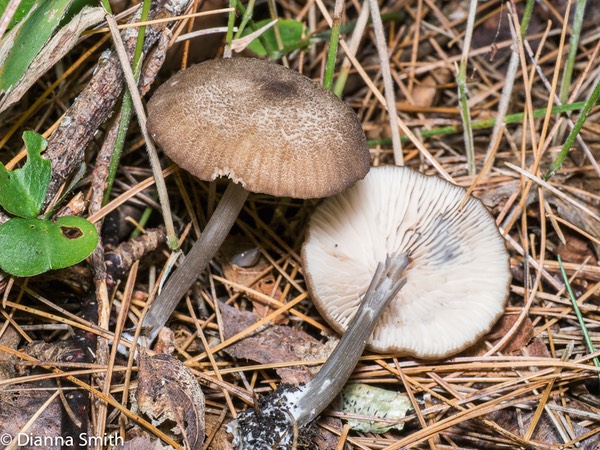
{"x":320,"y":392}
{"x":203,"y":250}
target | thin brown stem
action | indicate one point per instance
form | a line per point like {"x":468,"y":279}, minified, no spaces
{"x":203,"y":250}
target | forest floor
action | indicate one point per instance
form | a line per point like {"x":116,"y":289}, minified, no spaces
{"x":476,"y":105}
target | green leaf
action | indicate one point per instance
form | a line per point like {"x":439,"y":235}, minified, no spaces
{"x":22,"y":10}
{"x":290,"y":31}
{"x":33,"y":246}
{"x":22,"y":191}
{"x":31,"y":37}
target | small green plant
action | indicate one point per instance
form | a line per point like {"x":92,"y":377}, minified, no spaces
{"x":291,"y":32}
{"x":37,"y":22}
{"x":22,"y":10}
{"x":29,"y":245}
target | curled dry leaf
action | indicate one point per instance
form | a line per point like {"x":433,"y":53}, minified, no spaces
{"x":167,"y":390}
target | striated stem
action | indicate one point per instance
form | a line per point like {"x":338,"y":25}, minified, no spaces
{"x":203,"y":250}
{"x":316,"y":395}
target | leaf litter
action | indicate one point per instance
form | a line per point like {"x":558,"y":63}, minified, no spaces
{"x":539,"y":389}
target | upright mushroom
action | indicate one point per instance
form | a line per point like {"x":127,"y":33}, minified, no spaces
{"x":266,"y":128}
{"x":401,"y":262}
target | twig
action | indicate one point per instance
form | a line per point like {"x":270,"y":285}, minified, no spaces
{"x":388,"y":83}
{"x":461,"y":81}
{"x":161,"y":187}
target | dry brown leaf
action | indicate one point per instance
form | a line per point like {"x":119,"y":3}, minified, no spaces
{"x":537,"y":349}
{"x":425,"y":93}
{"x":20,"y":403}
{"x":519,"y":339}
{"x":275,"y":344}
{"x":576,"y":250}
{"x":143,"y":442}
{"x":9,"y":339}
{"x":579,"y":219}
{"x":167,"y":390}
{"x":221,"y":439}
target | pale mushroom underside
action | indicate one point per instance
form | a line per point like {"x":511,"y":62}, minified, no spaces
{"x":457,"y":278}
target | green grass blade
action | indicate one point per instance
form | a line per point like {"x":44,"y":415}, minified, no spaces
{"x":586,"y":334}
{"x":589,"y":104}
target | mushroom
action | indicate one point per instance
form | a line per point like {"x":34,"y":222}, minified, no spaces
{"x":443,"y":287}
{"x":458,"y":276}
{"x":275,"y":422}
{"x":268,"y":129}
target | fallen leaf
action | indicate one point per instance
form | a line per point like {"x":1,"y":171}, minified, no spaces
{"x":425,"y":92}
{"x":9,"y":339}
{"x":578,"y":218}
{"x":520,"y":337}
{"x":19,"y":404}
{"x":221,"y":440}
{"x":142,"y":443}
{"x":167,"y":390}
{"x":274,"y":344}
{"x":576,"y":250}
{"x":537,"y":349}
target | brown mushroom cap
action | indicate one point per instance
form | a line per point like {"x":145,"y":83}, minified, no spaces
{"x":458,"y":276}
{"x":266,"y":127}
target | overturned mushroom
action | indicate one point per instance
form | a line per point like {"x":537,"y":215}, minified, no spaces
{"x":444,"y":286}
{"x":278,"y":418}
{"x":457,"y":278}
{"x":266,"y":128}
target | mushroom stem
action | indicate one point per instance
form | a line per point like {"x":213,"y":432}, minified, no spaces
{"x":274,"y":422}
{"x":316,"y":395}
{"x":203,"y":250}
